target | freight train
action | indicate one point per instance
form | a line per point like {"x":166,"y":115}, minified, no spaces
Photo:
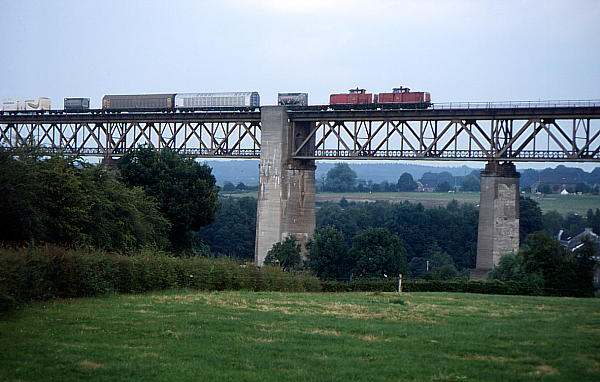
{"x":354,"y":99}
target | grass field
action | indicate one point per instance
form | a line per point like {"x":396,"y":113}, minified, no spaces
{"x":564,"y":204}
{"x":245,"y":336}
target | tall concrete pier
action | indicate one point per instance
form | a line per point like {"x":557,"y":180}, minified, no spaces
{"x":286,"y":194}
{"x":498,"y":232}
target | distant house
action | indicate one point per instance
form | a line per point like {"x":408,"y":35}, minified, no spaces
{"x":576,"y":242}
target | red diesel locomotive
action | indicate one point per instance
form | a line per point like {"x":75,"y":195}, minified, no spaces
{"x":400,"y":97}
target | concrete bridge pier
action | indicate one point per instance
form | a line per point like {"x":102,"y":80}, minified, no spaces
{"x":498,"y":231}
{"x":286,"y":193}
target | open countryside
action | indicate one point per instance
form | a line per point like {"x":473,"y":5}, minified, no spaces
{"x":564,"y":204}
{"x":266,"y":336}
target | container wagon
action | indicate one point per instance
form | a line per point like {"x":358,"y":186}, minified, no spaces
{"x":27,"y":104}
{"x":292,"y":99}
{"x":217,"y":100}
{"x":76,"y":104}
{"x":138,"y":101}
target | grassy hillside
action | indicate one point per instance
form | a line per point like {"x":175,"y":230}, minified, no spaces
{"x":244,"y":336}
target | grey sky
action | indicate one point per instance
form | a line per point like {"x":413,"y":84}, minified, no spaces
{"x":461,"y":50}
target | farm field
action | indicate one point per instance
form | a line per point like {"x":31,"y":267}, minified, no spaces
{"x":562,"y":203}
{"x":248,"y":336}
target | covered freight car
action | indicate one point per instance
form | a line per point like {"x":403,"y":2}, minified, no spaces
{"x":138,"y":101}
{"x":76,"y":104}
{"x":27,"y":104}
{"x":217,"y":100}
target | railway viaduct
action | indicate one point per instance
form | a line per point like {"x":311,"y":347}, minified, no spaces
{"x":288,"y":141}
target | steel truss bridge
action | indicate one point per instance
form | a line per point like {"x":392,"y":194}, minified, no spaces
{"x":565,"y":132}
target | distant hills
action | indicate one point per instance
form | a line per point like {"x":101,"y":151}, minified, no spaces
{"x":246,"y":171}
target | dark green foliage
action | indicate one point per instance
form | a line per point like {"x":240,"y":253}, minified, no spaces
{"x":40,"y":273}
{"x":470,"y":183}
{"x":340,"y":178}
{"x":186,"y":190}
{"x":552,"y":223}
{"x":65,"y":201}
{"x":544,"y":263}
{"x":530,"y":217}
{"x":443,"y":187}
{"x":285,"y":254}
{"x":459,"y":286}
{"x":233,"y":232}
{"x":378,"y":253}
{"x":406,"y":183}
{"x":328,"y":254}
{"x":452,"y":229}
{"x":544,"y":188}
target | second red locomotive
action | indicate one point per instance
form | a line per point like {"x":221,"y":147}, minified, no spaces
{"x":400,"y":97}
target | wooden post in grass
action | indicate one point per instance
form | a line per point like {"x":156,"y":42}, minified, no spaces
{"x":400,"y":283}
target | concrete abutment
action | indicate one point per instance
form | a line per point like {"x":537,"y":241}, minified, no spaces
{"x":286,"y":195}
{"x":498,"y":231}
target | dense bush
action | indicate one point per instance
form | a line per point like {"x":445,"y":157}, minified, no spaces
{"x":460,"y":286}
{"x":40,"y":273}
{"x":61,"y":200}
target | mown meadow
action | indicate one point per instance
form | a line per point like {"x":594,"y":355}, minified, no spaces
{"x":276,"y":336}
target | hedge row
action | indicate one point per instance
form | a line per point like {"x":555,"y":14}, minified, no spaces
{"x":461,"y":286}
{"x":41,"y":273}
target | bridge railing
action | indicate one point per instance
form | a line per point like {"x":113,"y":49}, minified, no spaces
{"x":516,"y":104}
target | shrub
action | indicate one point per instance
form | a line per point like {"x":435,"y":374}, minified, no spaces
{"x":40,"y":273}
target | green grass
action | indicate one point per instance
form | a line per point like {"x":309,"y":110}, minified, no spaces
{"x":245,"y":336}
{"x":562,"y":203}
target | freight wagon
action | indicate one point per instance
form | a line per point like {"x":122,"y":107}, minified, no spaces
{"x":76,"y":104}
{"x":292,"y":99}
{"x":27,"y":104}
{"x":138,"y":101}
{"x":217,"y":100}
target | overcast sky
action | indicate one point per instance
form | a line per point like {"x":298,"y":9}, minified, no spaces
{"x":461,"y":50}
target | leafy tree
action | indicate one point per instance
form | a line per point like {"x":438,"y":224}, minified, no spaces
{"x":510,"y":268}
{"x":545,"y":256}
{"x":406,"y":183}
{"x":544,"y":188}
{"x":470,"y":183}
{"x":233,"y":233}
{"x":228,"y":186}
{"x":65,"y":201}
{"x":186,"y":190}
{"x":443,"y":187}
{"x":552,"y":223}
{"x":530,"y":217}
{"x":328,"y":254}
{"x":377,"y":253}
{"x":341,"y":178}
{"x":583,"y":188}
{"x":286,"y":254}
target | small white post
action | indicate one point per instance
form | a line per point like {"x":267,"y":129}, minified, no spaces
{"x":400,"y":283}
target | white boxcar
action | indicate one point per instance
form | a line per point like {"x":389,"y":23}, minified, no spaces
{"x":40,"y":103}
{"x":226,"y":99}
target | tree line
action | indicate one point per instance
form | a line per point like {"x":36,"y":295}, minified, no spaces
{"x":151,"y":199}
